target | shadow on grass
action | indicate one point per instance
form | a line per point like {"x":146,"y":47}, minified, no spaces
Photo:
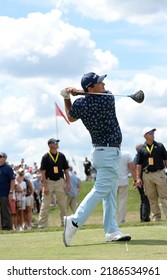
{"x":151,"y":242}
{"x":148,"y":242}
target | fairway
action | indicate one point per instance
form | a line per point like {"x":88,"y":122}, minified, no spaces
{"x":148,"y":243}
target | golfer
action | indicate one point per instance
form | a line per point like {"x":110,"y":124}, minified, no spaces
{"x":97,"y":113}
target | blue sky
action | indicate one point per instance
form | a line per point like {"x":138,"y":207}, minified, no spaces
{"x":48,"y":45}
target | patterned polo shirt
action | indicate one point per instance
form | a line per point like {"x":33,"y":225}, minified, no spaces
{"x":98,"y":114}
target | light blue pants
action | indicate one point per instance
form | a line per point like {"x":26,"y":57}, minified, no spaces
{"x":106,"y":161}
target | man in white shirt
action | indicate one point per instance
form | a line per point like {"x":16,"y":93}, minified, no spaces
{"x":126,"y":166}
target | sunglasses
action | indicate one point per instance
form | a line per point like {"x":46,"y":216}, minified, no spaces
{"x":150,"y":132}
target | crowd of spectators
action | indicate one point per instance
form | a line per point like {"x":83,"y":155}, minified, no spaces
{"x":26,"y":197}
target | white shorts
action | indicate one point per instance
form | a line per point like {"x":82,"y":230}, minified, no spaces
{"x":29,"y":200}
{"x":23,"y":203}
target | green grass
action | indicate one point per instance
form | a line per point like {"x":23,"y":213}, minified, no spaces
{"x":88,"y":244}
{"x":149,"y":240}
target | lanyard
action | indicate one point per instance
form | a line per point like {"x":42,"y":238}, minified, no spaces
{"x":150,"y":149}
{"x":55,"y":160}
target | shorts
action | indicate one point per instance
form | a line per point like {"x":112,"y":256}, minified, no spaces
{"x":29,"y":201}
{"x":12,"y":205}
{"x":21,"y":205}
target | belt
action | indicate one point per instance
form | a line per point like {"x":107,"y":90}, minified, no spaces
{"x":107,"y":145}
{"x":54,"y":179}
{"x":147,"y":171}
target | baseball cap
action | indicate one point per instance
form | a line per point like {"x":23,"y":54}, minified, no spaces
{"x":90,"y":79}
{"x":2,"y":154}
{"x":148,"y":129}
{"x":53,"y":141}
{"x":20,"y":170}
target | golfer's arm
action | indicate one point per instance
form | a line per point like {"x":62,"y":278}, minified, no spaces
{"x":68,"y":105}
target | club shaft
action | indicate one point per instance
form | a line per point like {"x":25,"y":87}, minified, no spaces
{"x":98,"y":93}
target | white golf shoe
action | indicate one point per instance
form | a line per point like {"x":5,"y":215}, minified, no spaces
{"x":69,"y":231}
{"x":117,"y":236}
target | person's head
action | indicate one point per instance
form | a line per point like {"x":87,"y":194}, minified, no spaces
{"x":3,"y":157}
{"x":91,"y":82}
{"x":148,"y":134}
{"x":53,"y":143}
{"x":20,"y":172}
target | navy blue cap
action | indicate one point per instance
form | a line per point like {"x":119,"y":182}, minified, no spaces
{"x":90,"y":79}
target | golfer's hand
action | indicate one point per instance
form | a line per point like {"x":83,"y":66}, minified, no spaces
{"x":67,"y":91}
{"x":65,"y":94}
{"x":72,"y":91}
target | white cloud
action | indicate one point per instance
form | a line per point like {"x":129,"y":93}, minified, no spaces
{"x":43,"y":53}
{"x":41,"y":44}
{"x":140,"y":11}
{"x":107,"y":61}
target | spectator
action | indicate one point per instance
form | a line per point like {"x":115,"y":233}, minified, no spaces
{"x":93,"y":173}
{"x":87,"y":168}
{"x":144,"y":202}
{"x":53,"y":168}
{"x":7,"y":183}
{"x":37,"y":190}
{"x":20,"y":199}
{"x":35,"y":167}
{"x":29,"y":200}
{"x":12,"y":203}
{"x":126,"y":166}
{"x":79,"y":180}
{"x":151,"y":163}
{"x":97,"y":113}
{"x":72,"y":195}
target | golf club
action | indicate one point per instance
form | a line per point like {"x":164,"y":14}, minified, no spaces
{"x":138,"y":96}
